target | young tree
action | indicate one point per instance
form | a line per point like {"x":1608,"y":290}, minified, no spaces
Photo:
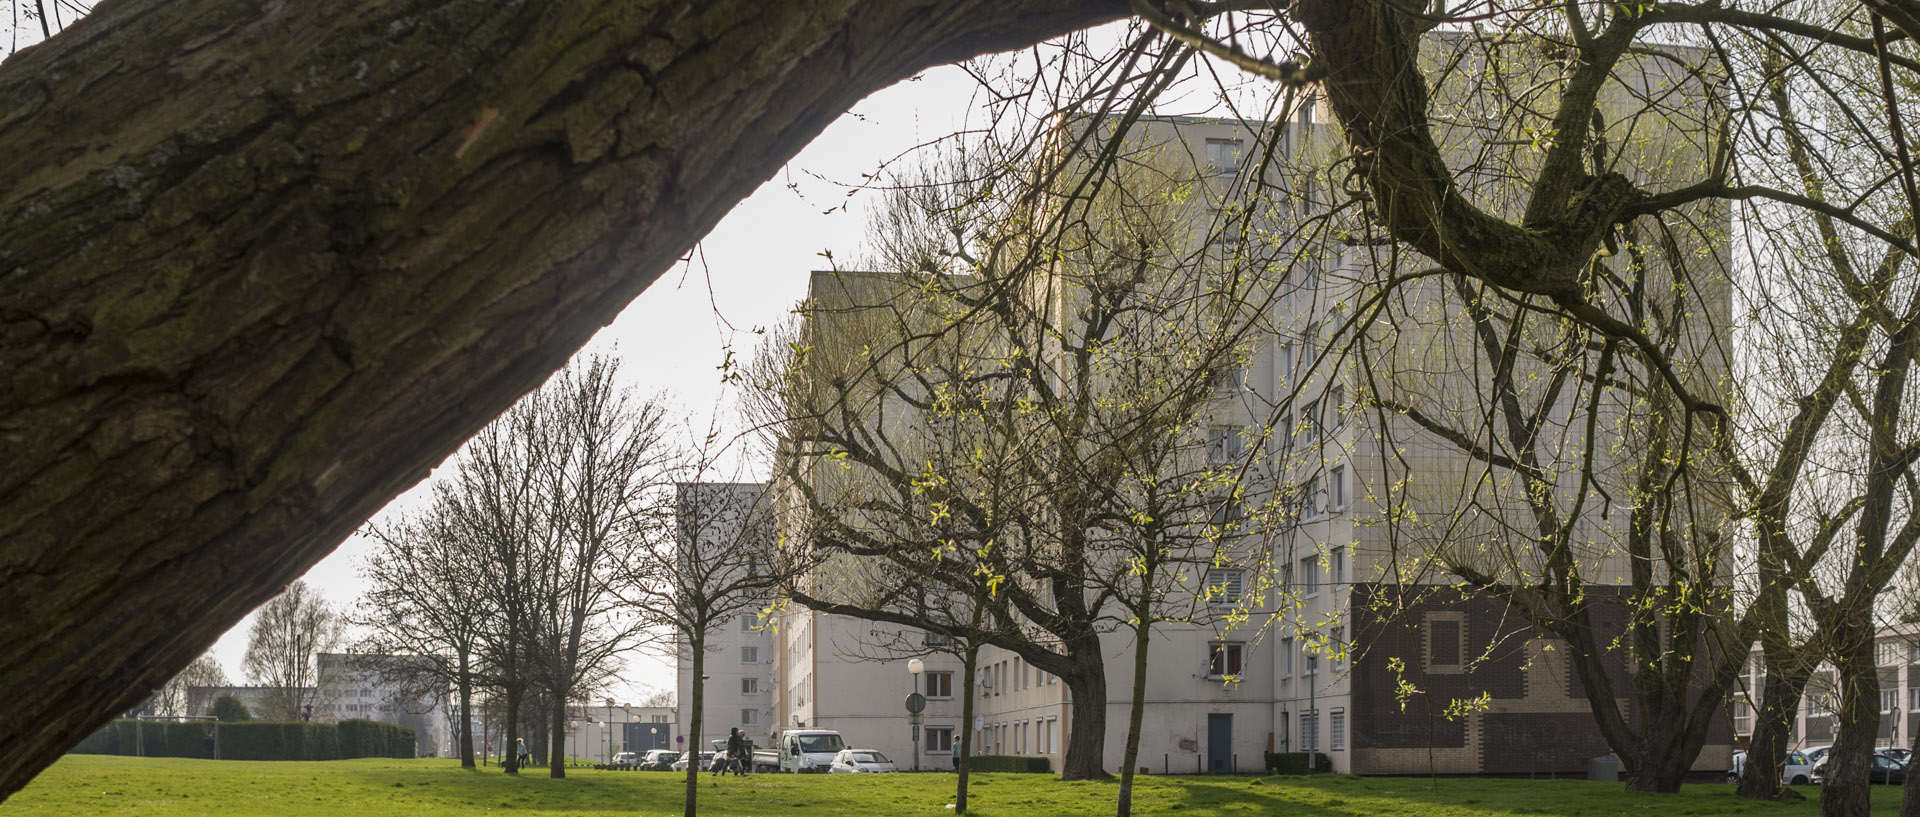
{"x":288,"y":635}
{"x":712,"y":556}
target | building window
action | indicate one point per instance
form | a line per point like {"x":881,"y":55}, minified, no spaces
{"x":749,"y":655}
{"x":939,"y":684}
{"x":1310,"y":576}
{"x":749,"y":686}
{"x":1309,"y":425}
{"x":1225,"y":587}
{"x":1223,"y":155}
{"x":937,"y":640}
{"x":1312,"y":660}
{"x":1337,"y":731}
{"x":939,"y":740}
{"x":1886,"y":653}
{"x":1225,"y":444}
{"x":1889,"y":700}
{"x":1337,"y":404}
{"x":749,"y":717}
{"x":659,"y":719}
{"x":1053,"y":745}
{"x":747,"y":622}
{"x":1286,"y":657}
{"x":1338,"y":559}
{"x":1913,"y":698}
{"x":1445,"y":644}
{"x":1224,"y":660}
{"x":1230,"y":377}
{"x":1337,"y":486}
{"x":1310,"y":730}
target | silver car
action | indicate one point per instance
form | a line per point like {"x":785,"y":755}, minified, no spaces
{"x":856,"y":761}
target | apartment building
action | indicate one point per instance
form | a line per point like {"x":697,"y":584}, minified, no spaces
{"x":1323,"y":666}
{"x":740,"y":659}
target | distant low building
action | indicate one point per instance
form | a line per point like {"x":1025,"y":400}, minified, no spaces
{"x":396,"y":689}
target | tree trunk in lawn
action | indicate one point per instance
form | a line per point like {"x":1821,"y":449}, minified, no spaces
{"x":466,"y":712}
{"x":510,"y":733}
{"x":970,"y":664}
{"x":557,"y":738}
{"x":1142,"y":631}
{"x":1087,"y":712}
{"x":697,"y":642}
{"x":1847,"y":790}
{"x":1780,"y":696}
{"x":265,"y":263}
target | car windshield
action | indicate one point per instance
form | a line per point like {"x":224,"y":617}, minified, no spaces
{"x":870,"y":757}
{"x":821,"y":743}
{"x":669,"y":757}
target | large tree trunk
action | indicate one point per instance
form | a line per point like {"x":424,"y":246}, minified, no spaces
{"x":266,"y":263}
{"x":1847,"y":790}
{"x":1780,"y":693}
{"x":1086,"y":713}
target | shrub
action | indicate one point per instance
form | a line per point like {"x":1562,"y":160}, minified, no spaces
{"x":229,"y":709}
{"x":1296,"y":762}
{"x":1009,"y":763}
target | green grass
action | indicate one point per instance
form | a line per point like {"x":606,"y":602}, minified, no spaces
{"x":169,"y":787}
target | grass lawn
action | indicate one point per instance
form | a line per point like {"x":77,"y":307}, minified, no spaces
{"x":169,"y":787}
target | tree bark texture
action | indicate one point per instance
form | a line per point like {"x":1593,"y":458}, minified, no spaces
{"x":697,"y":642}
{"x":262,"y":264}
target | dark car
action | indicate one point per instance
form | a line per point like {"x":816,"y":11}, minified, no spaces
{"x":1885,"y":771}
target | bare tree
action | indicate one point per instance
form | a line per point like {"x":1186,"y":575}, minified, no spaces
{"x":177,"y":697}
{"x":421,"y":601}
{"x":288,"y":635}
{"x":610,"y":454}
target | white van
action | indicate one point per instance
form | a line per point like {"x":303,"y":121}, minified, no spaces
{"x":803,"y":751}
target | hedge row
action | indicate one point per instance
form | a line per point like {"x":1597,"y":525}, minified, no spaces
{"x":1009,"y":763}
{"x":252,"y":740}
{"x":1296,"y":762}
{"x":365,"y":738}
{"x":155,"y":739}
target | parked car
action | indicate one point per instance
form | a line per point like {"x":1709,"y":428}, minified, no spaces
{"x":1816,"y":754}
{"x":1796,"y":771}
{"x":855,"y":761}
{"x":1885,"y":771}
{"x":658,"y":760}
{"x":625,"y":760}
{"x":1905,"y":756}
{"x":705,"y":760}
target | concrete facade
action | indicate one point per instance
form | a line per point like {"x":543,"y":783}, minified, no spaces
{"x":1323,"y":674}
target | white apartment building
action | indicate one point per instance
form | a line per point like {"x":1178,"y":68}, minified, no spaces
{"x":1317,"y":677}
{"x":741,"y":655}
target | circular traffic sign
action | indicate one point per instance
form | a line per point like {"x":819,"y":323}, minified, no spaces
{"x":916,"y":702}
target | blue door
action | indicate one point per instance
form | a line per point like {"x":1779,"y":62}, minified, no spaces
{"x":1220,"y":744}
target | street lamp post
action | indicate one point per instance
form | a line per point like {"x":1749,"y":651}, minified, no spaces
{"x":607,"y":726}
{"x":915,"y":703}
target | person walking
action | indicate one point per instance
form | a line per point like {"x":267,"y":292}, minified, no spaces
{"x":522,"y":756}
